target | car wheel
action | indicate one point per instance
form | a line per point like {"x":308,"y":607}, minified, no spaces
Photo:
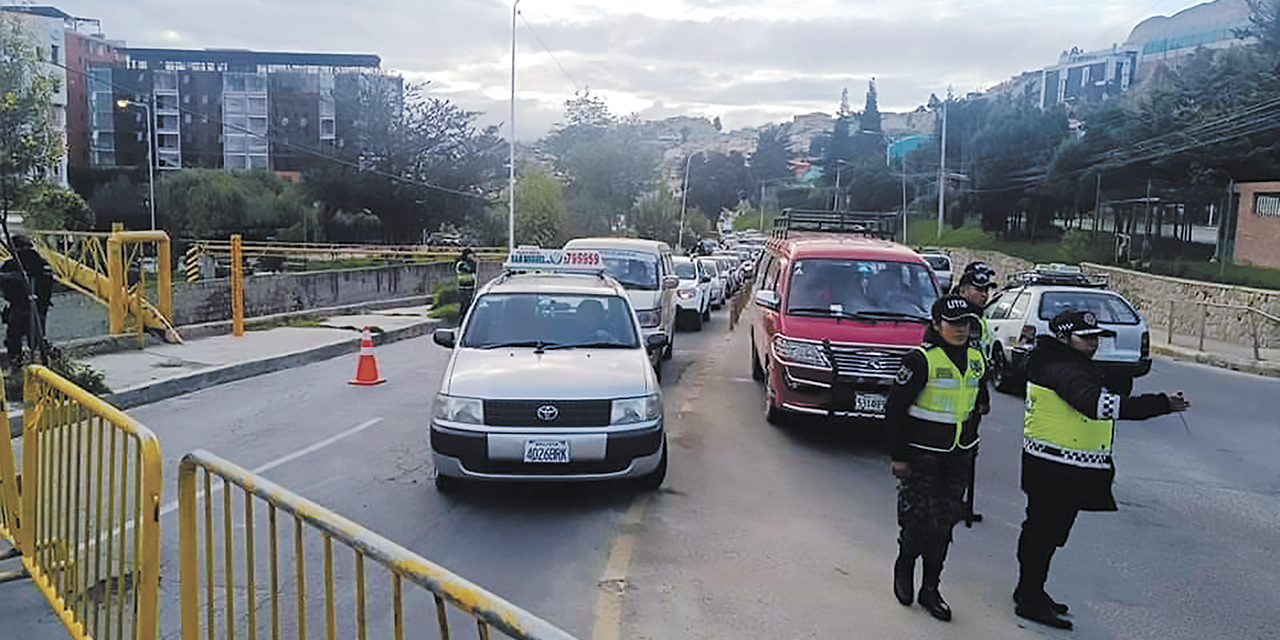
{"x":697,"y":321}
{"x":653,"y":480}
{"x":773,"y":414}
{"x":757,"y":372}
{"x":449,"y":484}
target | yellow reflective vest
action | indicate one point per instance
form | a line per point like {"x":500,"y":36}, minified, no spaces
{"x":465,"y":274}
{"x":939,"y":412}
{"x":1054,"y":430}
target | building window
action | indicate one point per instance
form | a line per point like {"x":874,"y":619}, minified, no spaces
{"x":1266,"y":205}
{"x":53,"y":54}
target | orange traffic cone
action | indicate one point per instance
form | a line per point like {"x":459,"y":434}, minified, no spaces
{"x":367,"y":370}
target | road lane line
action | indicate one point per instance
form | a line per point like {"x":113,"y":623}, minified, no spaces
{"x":613,"y":584}
{"x":173,"y":506}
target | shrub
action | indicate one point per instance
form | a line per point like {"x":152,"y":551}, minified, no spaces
{"x":445,"y":293}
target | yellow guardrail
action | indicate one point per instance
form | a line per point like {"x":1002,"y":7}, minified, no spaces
{"x":215,"y":588}
{"x":320,"y":251}
{"x":89,"y":530}
{"x":9,"y":503}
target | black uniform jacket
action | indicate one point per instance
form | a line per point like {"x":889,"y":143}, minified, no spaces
{"x":911,"y":379}
{"x":1078,"y":381}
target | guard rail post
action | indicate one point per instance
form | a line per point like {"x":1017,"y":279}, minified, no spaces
{"x":1169,"y":339}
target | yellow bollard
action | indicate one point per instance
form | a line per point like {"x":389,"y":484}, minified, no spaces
{"x":237,"y":287}
{"x":115,"y":273}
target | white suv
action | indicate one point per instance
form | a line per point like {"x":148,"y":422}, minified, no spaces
{"x":1023,"y":309}
{"x":693,"y":294}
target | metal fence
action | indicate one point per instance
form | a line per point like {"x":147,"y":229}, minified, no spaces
{"x":88,"y":529}
{"x":231,"y":589}
{"x":1256,"y":320}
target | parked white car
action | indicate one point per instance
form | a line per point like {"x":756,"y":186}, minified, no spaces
{"x":711,"y":267}
{"x":693,"y":294}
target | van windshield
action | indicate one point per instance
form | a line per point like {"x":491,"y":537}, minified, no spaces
{"x":550,"y":320}
{"x":633,"y":269}
{"x":842,"y":287}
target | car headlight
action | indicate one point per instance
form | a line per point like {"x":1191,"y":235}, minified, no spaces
{"x":455,"y":409}
{"x":806,"y":353}
{"x":686,"y":294}
{"x":631,"y":410}
{"x":649,"y":318}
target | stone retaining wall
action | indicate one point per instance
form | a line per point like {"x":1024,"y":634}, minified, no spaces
{"x":1151,"y":294}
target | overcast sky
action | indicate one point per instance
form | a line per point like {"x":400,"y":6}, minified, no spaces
{"x":747,"y":61}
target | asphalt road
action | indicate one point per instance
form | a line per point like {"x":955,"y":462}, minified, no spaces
{"x":759,"y":532}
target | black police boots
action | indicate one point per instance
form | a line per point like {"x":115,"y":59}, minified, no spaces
{"x":1043,"y":610}
{"x":929,"y":597}
{"x":904,"y":569}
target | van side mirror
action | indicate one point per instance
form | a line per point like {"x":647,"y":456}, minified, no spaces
{"x":655,"y":341}
{"x":444,"y":337}
{"x":767,"y":299}
{"x":670,"y":282}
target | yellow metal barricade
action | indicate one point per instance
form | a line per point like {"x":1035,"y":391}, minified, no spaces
{"x":226,"y":579}
{"x":9,"y":504}
{"x":90,"y":530}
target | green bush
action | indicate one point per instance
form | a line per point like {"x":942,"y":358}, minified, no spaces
{"x":1079,"y":246}
{"x":445,"y":293}
{"x":447,"y":312}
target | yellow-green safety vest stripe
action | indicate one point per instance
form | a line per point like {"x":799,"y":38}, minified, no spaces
{"x":1050,"y":420}
{"x":464,"y":277}
{"x":949,"y":396}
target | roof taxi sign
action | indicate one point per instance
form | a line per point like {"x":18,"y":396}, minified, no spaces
{"x":564,"y":260}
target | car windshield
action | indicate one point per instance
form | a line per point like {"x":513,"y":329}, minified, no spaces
{"x":634,"y":269}
{"x":1108,"y":307}
{"x":939,"y":263}
{"x":710,"y":267}
{"x":860,"y":286}
{"x":686,"y":270}
{"x":547,"y":320}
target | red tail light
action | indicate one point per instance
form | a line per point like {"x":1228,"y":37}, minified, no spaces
{"x":1146,"y":344}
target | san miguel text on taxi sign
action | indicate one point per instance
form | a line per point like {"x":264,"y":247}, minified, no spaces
{"x":533,"y":258}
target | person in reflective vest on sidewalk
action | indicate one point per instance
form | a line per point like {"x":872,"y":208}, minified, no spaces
{"x":465,"y":272}
{"x":932,"y":439}
{"x":1068,"y":439}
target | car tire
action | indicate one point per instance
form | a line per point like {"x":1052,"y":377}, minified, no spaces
{"x":757,"y":372}
{"x":697,"y":321}
{"x":653,"y":480}
{"x":449,"y":484}
{"x":773,"y":414}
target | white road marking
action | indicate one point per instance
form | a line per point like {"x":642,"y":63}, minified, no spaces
{"x":173,"y":506}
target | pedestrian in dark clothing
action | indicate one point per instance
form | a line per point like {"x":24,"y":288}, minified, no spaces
{"x":465,"y":272}
{"x":932,"y":441}
{"x":25,"y":278}
{"x":1068,"y":439}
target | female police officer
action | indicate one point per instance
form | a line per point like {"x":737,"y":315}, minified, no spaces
{"x":932,"y":440}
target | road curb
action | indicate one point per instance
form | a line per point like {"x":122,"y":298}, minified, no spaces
{"x":203,"y":379}
{"x":1244,"y":366}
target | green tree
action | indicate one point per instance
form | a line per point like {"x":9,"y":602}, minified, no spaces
{"x":1265,"y":18}
{"x":211,"y":203}
{"x":771,"y":159}
{"x":540,"y":210}
{"x":30,"y":147}
{"x":118,"y":200}
{"x":717,"y":181}
{"x":49,"y":207}
{"x":656,"y":216}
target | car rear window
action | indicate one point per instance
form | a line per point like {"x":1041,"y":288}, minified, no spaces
{"x":939,"y":263}
{"x":1110,"y":308}
{"x":686,"y":271}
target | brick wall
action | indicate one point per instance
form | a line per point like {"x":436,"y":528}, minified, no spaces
{"x":1257,"y":236}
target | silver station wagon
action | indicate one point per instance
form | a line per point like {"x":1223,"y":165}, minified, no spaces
{"x":549,"y":380}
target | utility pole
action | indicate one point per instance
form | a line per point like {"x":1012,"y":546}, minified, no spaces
{"x":684,"y":197}
{"x":942,"y":171}
{"x":511,"y":144}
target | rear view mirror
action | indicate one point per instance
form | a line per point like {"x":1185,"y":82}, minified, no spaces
{"x":767,"y":299}
{"x":444,"y":337}
{"x":655,"y":341}
{"x":706,"y":279}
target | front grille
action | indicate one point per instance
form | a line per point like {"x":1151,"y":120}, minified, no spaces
{"x":867,"y":361}
{"x":569,"y":413}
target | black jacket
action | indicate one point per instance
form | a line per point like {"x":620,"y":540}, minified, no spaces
{"x":910,"y":381}
{"x":39,"y":274}
{"x":1078,"y":381}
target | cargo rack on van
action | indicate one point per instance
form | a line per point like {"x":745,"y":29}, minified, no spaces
{"x":1057,"y":274}
{"x":879,"y":224}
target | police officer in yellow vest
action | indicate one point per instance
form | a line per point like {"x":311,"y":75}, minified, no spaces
{"x":932,"y":441}
{"x":1068,"y":435}
{"x":975,"y":285}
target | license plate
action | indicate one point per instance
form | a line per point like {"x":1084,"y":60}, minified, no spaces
{"x":546,"y":451}
{"x":869,"y":402}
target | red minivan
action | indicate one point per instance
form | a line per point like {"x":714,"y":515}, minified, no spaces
{"x":834,"y":312}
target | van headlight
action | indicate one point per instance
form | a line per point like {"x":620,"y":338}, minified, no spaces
{"x":632,"y":410}
{"x":455,"y":409}
{"x":796,"y":352}
{"x":649,"y":318}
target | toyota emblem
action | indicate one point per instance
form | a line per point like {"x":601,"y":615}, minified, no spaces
{"x":548,"y":412}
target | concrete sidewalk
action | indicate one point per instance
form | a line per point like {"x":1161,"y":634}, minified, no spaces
{"x":160,"y":371}
{"x":1224,"y":355}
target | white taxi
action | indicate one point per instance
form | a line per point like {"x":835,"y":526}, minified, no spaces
{"x":549,"y":380}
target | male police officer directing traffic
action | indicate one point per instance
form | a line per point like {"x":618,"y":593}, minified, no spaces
{"x":1069,"y":429}
{"x":932,"y":440}
{"x":465,"y":272}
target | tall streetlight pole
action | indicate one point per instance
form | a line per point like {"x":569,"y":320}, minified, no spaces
{"x":684,"y":197}
{"x":511,"y":144}
{"x":151,"y":172}
{"x":942,"y":170}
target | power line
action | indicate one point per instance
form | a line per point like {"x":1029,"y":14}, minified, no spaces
{"x":283,"y":143}
{"x":528,"y":24}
